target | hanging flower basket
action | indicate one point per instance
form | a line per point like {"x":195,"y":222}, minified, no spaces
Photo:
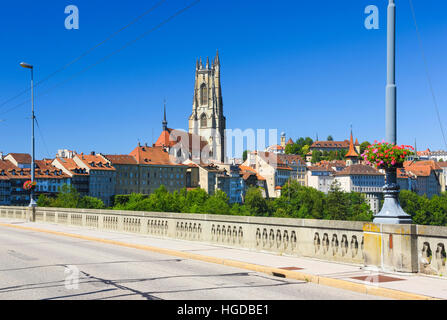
{"x":385,"y":155}
{"x":29,"y":185}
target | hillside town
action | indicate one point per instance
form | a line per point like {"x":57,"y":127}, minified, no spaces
{"x":198,"y":159}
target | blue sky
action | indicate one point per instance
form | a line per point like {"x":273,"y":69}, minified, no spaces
{"x":302,"y":67}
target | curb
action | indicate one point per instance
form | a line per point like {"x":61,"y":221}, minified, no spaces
{"x":326,"y":281}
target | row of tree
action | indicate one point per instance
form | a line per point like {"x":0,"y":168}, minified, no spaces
{"x":302,"y":146}
{"x":295,"y":201}
{"x":69,"y":197}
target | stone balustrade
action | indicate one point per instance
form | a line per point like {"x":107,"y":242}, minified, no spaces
{"x":405,"y":248}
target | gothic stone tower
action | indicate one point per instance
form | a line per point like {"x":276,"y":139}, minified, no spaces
{"x":207,"y":119}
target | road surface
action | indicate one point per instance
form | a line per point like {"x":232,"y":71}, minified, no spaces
{"x":36,"y":265}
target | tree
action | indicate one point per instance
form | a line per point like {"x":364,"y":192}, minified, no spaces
{"x":244,"y":155}
{"x":333,"y":155}
{"x":196,"y":198}
{"x":305,"y":150}
{"x":330,"y":138}
{"x":292,"y":149}
{"x":256,"y":202}
{"x":316,"y":156}
{"x":68,"y":197}
{"x":363,"y":146}
{"x":217,"y":203}
{"x":91,"y":203}
{"x":297,"y":201}
{"x":44,"y":201}
{"x":337,"y":203}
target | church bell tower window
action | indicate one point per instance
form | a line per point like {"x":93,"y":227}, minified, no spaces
{"x":203,"y":121}
{"x":203,"y":94}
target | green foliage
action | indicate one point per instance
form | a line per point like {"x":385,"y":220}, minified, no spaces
{"x":363,"y":146}
{"x":423,"y":210}
{"x":244,"y":155}
{"x":69,"y":197}
{"x":255,"y":202}
{"x":217,"y":204}
{"x":295,"y":201}
{"x":88,"y":202}
{"x":300,"y":147}
{"x":316,"y":156}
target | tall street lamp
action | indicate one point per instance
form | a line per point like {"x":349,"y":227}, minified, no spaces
{"x":392,"y":212}
{"x":32,"y":202}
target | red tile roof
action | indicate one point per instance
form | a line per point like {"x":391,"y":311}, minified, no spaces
{"x":152,"y":156}
{"x":359,"y":169}
{"x":421,"y":168}
{"x":95,"y":162}
{"x":351,"y":153}
{"x":273,"y":160}
{"x":289,"y":159}
{"x":330,"y":144}
{"x":171,"y":137}
{"x":22,"y":158}
{"x":70,"y":165}
{"x":121,"y":159}
{"x":247,"y":171}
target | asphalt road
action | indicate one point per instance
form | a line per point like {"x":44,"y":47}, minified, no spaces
{"x":35,"y":265}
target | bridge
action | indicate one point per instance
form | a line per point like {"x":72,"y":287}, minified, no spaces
{"x":358,"y":260}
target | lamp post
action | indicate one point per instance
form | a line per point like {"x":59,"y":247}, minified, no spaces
{"x":32,"y":202}
{"x":392,"y":212}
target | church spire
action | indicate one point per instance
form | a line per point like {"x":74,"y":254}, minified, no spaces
{"x":165,"y":122}
{"x":352,"y":155}
{"x":217,"y":57}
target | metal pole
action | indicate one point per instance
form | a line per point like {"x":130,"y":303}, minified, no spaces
{"x":32,"y":201}
{"x":391,"y":75}
{"x":392,"y":212}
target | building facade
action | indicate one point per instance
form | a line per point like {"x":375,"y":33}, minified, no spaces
{"x":102,"y":176}
{"x":80,"y":178}
{"x":156,"y":168}
{"x":269,"y":166}
{"x":363,"y":179}
{"x":207,"y":119}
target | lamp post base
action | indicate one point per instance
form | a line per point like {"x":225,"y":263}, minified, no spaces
{"x":392,"y":212}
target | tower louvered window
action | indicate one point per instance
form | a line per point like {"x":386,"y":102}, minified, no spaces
{"x":203,"y":94}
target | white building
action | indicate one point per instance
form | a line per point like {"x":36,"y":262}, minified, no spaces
{"x":320,"y":178}
{"x":438,"y":155}
{"x":269,"y":166}
{"x":363,"y":179}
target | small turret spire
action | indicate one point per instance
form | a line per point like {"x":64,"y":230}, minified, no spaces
{"x":217,"y":57}
{"x":165,"y":122}
{"x":352,"y":155}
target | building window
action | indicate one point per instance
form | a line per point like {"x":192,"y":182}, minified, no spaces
{"x":203,"y":121}
{"x":203,"y":94}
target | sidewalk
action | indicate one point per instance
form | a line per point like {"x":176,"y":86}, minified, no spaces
{"x":343,"y":276}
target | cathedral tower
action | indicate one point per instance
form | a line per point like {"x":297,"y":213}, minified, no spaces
{"x":207,"y":119}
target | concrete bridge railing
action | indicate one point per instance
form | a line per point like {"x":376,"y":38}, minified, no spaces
{"x":403,"y":248}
